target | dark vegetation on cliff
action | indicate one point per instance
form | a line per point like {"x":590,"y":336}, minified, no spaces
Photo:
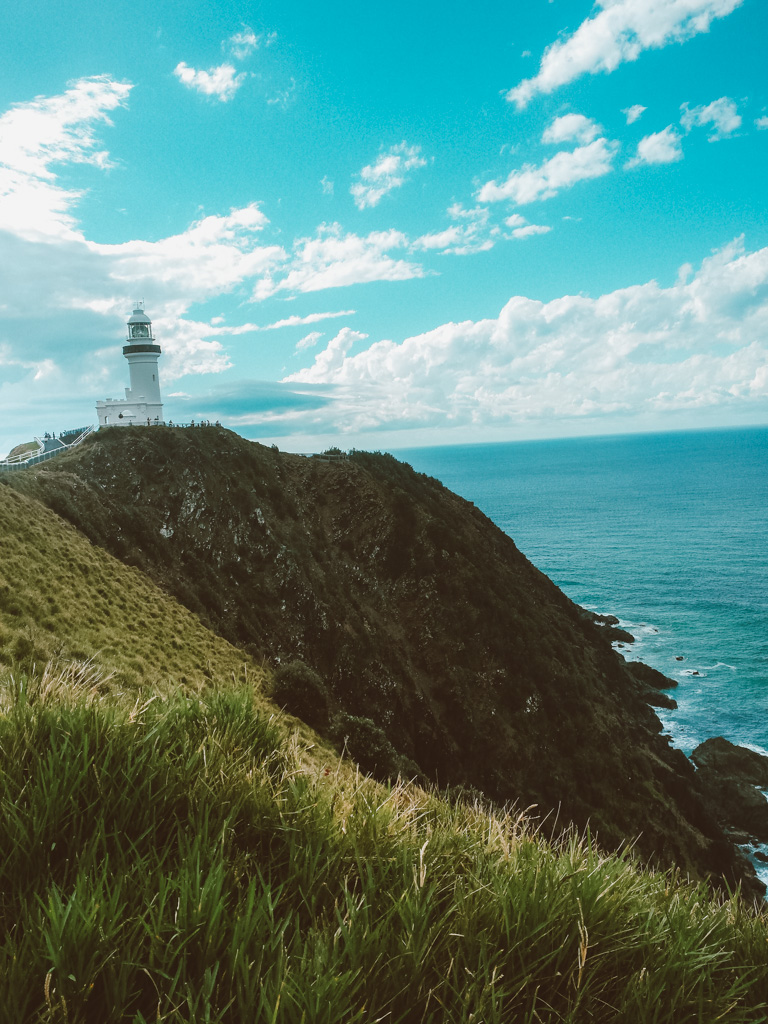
{"x":427,"y":642}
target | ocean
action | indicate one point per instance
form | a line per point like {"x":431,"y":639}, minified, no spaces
{"x":669,"y":532}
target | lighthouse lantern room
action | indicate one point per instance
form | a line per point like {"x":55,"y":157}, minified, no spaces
{"x":142,"y":405}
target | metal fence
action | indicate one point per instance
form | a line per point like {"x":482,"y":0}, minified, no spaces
{"x":47,"y":448}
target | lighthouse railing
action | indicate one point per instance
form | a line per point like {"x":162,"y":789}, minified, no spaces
{"x":25,"y":459}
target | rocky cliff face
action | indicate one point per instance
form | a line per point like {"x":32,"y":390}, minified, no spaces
{"x":415,"y":611}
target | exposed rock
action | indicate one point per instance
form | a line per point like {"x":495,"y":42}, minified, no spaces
{"x":727,"y":759}
{"x":616,"y":634}
{"x":650,"y":676}
{"x":659,"y":700}
{"x":730,"y":779}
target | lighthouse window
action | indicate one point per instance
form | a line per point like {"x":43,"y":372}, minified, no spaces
{"x":153,"y":376}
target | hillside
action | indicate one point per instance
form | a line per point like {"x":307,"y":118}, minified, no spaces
{"x":418,"y":615}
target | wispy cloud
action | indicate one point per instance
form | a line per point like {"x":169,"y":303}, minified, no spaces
{"x":469,"y":233}
{"x":222,"y":82}
{"x":659,"y":148}
{"x":308,"y":341}
{"x":619,"y":32}
{"x":48,"y":131}
{"x":721,"y":114}
{"x":761,"y":123}
{"x":634,"y":113}
{"x":332,"y":259}
{"x":564,"y":169}
{"x":385,"y":175}
{"x":242,"y":44}
{"x":522,"y":229}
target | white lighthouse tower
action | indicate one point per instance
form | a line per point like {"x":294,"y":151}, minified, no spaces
{"x":142,"y":405}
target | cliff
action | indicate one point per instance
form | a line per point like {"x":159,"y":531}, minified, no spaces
{"x":416,"y":615}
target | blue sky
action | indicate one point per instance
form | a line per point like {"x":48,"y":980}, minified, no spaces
{"x":388,"y":226}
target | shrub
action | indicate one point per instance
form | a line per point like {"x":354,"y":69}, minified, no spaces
{"x":300,"y":690}
{"x":367,"y":743}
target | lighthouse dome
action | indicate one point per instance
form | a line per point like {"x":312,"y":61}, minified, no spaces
{"x":139,"y":317}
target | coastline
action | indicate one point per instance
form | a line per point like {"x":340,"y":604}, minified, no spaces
{"x":641,"y":650}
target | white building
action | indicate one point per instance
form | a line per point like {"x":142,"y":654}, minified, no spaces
{"x":142,"y":405}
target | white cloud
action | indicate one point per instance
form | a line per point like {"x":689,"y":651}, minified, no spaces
{"x":242,"y":44}
{"x":36,"y":136}
{"x":531,"y":229}
{"x":634,"y":113}
{"x":563,"y":170}
{"x":217,"y":327}
{"x":311,"y":318}
{"x":210,"y":257}
{"x":386,"y":174}
{"x":721,"y":114}
{"x":221,"y":82}
{"x":327,"y":185}
{"x":522,"y":229}
{"x":761,"y":122}
{"x":571,"y":128}
{"x":284,"y":96}
{"x":660,"y":148}
{"x":470,"y":233}
{"x":620,"y":358}
{"x":308,"y":341}
{"x":333,"y":259}
{"x":331,"y":359}
{"x":619,"y":32}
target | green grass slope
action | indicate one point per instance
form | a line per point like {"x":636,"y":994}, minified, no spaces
{"x":63,"y":599}
{"x":168,"y":860}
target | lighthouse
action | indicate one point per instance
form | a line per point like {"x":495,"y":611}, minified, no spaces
{"x":142,"y":405}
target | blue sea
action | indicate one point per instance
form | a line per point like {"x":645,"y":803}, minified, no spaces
{"x":667,"y":531}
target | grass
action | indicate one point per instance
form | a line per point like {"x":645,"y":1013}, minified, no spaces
{"x":170,"y":858}
{"x":61,"y":598}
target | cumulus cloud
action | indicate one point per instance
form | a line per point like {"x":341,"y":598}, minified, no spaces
{"x":386,"y":174}
{"x":619,"y":32}
{"x":659,"y":148}
{"x":564,"y":169}
{"x":721,"y":114}
{"x":332,"y":259}
{"x":697,"y":345}
{"x":331,"y":359}
{"x":634,"y":113}
{"x":222,"y":81}
{"x":761,"y":123}
{"x":571,"y":128}
{"x":43,"y":133}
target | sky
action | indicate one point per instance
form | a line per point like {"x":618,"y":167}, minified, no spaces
{"x":384,"y":226}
